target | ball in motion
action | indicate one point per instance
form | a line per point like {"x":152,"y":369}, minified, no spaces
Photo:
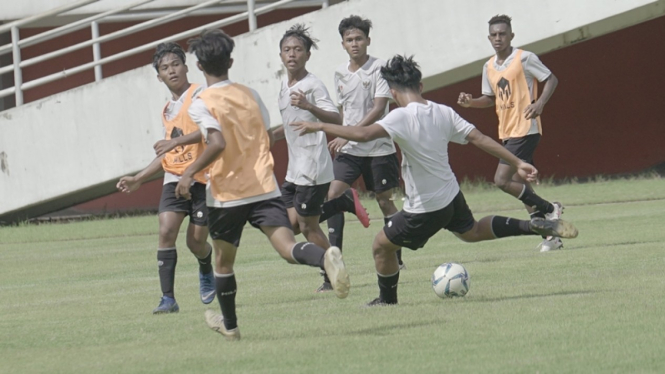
{"x":450,"y":280}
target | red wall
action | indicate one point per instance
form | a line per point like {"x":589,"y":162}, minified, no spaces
{"x":606,"y":116}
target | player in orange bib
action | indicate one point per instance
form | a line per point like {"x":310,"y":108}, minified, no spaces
{"x":182,"y":145}
{"x":510,"y":83}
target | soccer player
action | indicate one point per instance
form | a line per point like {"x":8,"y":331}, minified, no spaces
{"x":510,"y":83}
{"x":363,"y":98}
{"x":242,"y":186}
{"x":182,"y":144}
{"x":434,"y":201}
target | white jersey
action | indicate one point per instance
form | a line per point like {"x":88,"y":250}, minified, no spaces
{"x":423,"y":132}
{"x":533,"y":69}
{"x":356,"y":92}
{"x":310,"y":163}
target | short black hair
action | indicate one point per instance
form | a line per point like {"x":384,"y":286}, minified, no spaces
{"x":501,"y":18}
{"x":300,"y":32}
{"x":402,"y":72}
{"x":213,"y":50}
{"x":355,"y":22}
{"x":165,"y":48}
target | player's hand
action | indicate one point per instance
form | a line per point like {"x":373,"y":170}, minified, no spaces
{"x":528,"y":172}
{"x":306,"y":127}
{"x":164,"y":146}
{"x":464,"y":99}
{"x":533,"y":110}
{"x":299,"y":100}
{"x":336,"y":145}
{"x":182,"y":189}
{"x":128,"y":184}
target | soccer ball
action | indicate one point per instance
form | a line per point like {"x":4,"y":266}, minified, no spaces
{"x":450,"y":280}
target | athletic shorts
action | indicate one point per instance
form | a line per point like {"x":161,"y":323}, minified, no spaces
{"x":523,"y":148}
{"x":227,"y":223}
{"x":380,"y":173}
{"x":413,"y":230}
{"x":308,"y":200}
{"x":195,"y":208}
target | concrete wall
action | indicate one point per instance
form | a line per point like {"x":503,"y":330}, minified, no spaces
{"x":71,"y":146}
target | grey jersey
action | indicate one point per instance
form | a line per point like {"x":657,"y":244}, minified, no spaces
{"x":356,"y":92}
{"x":423,"y":132}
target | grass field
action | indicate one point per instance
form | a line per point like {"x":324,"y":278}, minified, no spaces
{"x":77,"y":298}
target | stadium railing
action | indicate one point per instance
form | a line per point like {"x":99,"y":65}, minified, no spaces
{"x":154,"y":18}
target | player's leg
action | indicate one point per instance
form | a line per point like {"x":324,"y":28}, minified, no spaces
{"x":347,"y":169}
{"x":171,"y":214}
{"x":197,"y":242}
{"x":381,"y":175}
{"x":348,"y":201}
{"x":308,"y":201}
{"x":288,"y":190}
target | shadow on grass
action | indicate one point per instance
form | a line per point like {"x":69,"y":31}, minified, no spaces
{"x":527,"y":296}
{"x":389,"y":329}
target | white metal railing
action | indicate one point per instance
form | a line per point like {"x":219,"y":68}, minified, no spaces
{"x":155,"y":18}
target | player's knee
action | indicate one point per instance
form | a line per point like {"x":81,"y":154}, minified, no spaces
{"x":385,"y":202}
{"x":168,"y":234}
{"x":501,"y":182}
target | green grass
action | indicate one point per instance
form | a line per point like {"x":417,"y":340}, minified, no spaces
{"x":77,"y":298}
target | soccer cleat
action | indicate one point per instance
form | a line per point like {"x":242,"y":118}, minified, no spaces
{"x":379,"y":302}
{"x":216,"y":322}
{"x":358,"y":209}
{"x":556,"y":213}
{"x":207,"y":287}
{"x":557,"y":228}
{"x":324,"y":287}
{"x":402,"y":266}
{"x":549,"y":244}
{"x":336,"y":271}
{"x":166,"y":305}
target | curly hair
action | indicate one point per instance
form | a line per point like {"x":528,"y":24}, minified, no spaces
{"x":501,"y":18}
{"x":355,"y":22}
{"x":163,"y":49}
{"x":402,"y":72}
{"x":300,"y":32}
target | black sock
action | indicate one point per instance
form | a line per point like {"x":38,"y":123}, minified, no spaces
{"x":388,"y":288}
{"x":541,"y":205}
{"x":338,"y":205}
{"x":399,"y":252}
{"x":226,"y":288}
{"x":506,"y":226}
{"x":306,"y":253}
{"x":336,"y":230}
{"x":205,"y":264}
{"x":537,"y":213}
{"x":167,"y":258}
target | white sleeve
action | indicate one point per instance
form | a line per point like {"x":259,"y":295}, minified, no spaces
{"x":487,"y":86}
{"x":322,"y":98}
{"x":382,"y":88}
{"x":200,"y":114}
{"x":337,"y":92}
{"x":392,"y":122}
{"x":460,"y":128}
{"x":264,"y":111}
{"x":533,"y":66}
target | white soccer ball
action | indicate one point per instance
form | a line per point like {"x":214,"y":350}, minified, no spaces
{"x":450,"y":280}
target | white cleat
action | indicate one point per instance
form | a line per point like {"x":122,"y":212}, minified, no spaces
{"x":556,"y":213}
{"x":216,"y":322}
{"x":550,"y":244}
{"x":336,"y":270}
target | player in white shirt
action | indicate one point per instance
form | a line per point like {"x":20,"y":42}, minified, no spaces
{"x":363,"y":98}
{"x":510,"y":83}
{"x":423,"y":129}
{"x":182,"y":142}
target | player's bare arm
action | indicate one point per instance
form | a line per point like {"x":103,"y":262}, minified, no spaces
{"x":536,"y":109}
{"x":166,"y":145}
{"x":466,"y":100}
{"x":358,"y":134}
{"x":487,"y":144}
{"x":129,"y":184}
{"x":372,"y":116}
{"x":299,"y":100}
{"x":214,"y":146}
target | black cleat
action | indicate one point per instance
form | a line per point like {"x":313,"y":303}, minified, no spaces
{"x":379,"y":302}
{"x":557,"y":228}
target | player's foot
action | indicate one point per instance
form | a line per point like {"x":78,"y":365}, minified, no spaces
{"x":336,"y":271}
{"x":166,"y":305}
{"x":556,"y":213}
{"x":207,"y":287}
{"x":379,"y":302}
{"x":358,"y":209}
{"x":216,"y":322}
{"x":325,"y":287}
{"x":550,"y":244}
{"x":557,"y":228}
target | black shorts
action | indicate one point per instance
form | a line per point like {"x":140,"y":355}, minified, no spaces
{"x":195,"y":208}
{"x":523,"y":148}
{"x":380,"y":173}
{"x":308,"y":200}
{"x":227,"y":223}
{"x":413,"y":230}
